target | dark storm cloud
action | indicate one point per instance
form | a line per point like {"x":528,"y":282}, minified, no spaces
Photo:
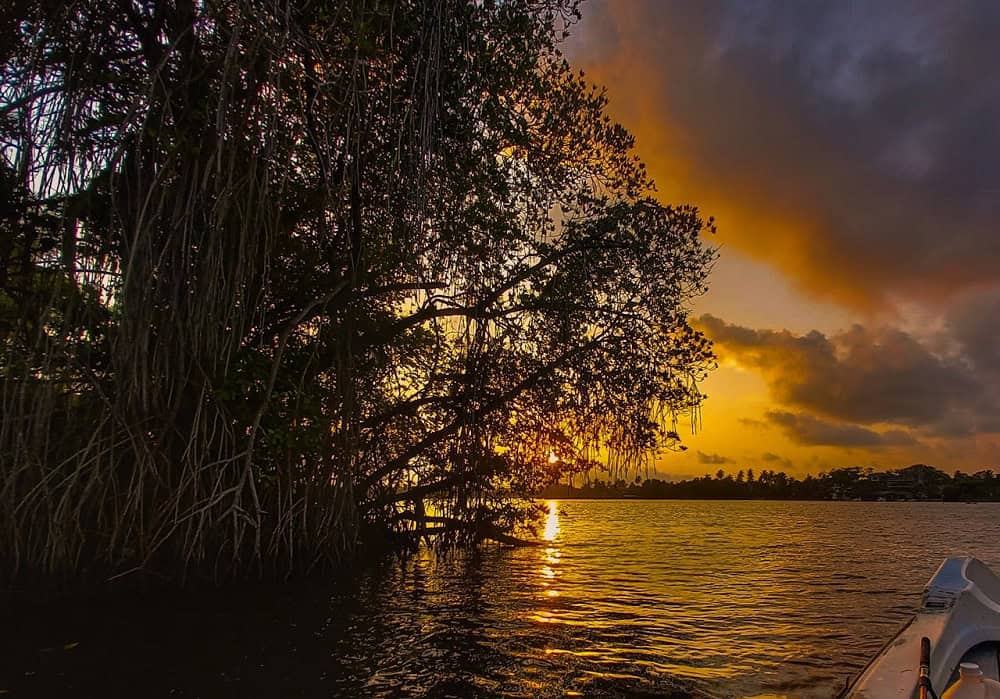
{"x":812,"y":431}
{"x":712,"y":459}
{"x":852,"y":143}
{"x":865,"y":377}
{"x":975,"y":324}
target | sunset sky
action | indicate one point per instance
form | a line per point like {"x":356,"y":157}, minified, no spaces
{"x":850,"y":153}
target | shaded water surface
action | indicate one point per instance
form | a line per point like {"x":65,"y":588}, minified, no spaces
{"x":627,"y":598}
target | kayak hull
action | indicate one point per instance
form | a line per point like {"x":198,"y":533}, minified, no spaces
{"x":959,"y":613}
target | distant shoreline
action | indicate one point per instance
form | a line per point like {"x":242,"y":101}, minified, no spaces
{"x":916,"y":483}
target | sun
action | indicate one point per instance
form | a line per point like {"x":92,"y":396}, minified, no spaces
{"x":552,"y":457}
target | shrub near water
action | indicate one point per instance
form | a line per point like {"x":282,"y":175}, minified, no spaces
{"x":277,"y":278}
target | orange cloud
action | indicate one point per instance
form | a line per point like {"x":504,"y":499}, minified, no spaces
{"x":835,"y":146}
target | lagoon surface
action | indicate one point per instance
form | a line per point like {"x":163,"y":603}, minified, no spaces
{"x":626,"y":598}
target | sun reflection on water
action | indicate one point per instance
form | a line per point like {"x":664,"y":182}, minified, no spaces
{"x":551,"y":555}
{"x":558,"y":598}
{"x":552,"y":521}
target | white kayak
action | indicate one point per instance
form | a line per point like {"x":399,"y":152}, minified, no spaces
{"x":960,"y":616}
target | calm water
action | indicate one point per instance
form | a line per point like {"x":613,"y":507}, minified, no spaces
{"x":628,"y":598}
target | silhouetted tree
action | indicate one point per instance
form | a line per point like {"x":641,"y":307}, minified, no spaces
{"x":275,"y":277}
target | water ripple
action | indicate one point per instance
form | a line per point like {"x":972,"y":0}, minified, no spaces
{"x":626,"y":598}
{"x":711,"y":598}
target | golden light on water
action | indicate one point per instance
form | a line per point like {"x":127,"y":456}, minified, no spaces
{"x":552,"y":521}
{"x":550,"y":558}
